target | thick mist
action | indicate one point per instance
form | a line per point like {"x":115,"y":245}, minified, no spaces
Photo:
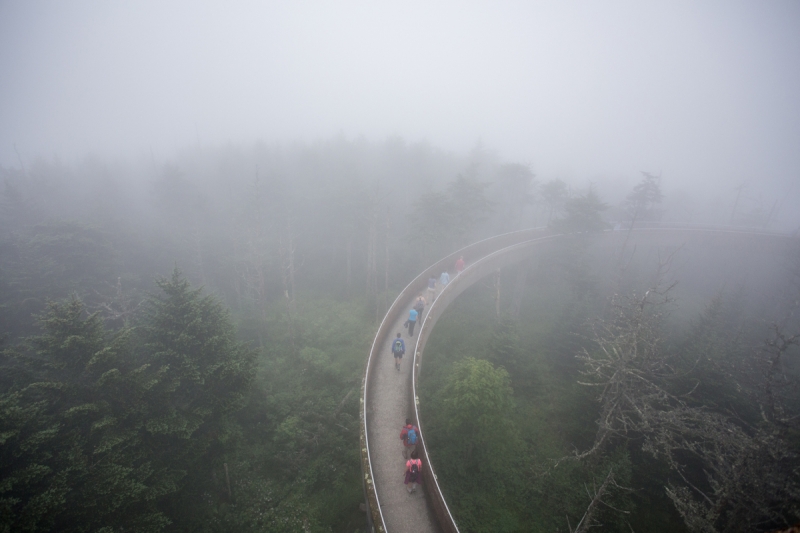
{"x":701,"y":94}
{"x":207,"y":210}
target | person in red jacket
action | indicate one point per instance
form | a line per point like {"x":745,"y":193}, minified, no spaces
{"x":459,"y":265}
{"x":410,"y":436}
{"x":413,"y":473}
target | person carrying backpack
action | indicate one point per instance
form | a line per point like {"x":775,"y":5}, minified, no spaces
{"x":432,"y":288}
{"x":398,"y":349}
{"x":412,"y":321}
{"x":419,"y":306}
{"x":413,"y":473}
{"x":410,"y":436}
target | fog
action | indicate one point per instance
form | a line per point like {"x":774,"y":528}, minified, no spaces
{"x":703,"y":93}
{"x":207,"y":210}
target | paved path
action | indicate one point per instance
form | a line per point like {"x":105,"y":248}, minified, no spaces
{"x":390,"y":406}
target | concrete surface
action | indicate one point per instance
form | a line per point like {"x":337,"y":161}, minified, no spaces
{"x":390,"y":405}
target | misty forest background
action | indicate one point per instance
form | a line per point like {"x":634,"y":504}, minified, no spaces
{"x":184,"y":342}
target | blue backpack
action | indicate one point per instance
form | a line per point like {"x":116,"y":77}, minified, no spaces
{"x":412,"y":436}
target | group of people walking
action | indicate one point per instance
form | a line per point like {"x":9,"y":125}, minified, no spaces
{"x":415,"y":314}
{"x":413,"y":473}
{"x":410,"y":433}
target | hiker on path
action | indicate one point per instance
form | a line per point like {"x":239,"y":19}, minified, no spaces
{"x":398,"y":350}
{"x":432,"y":288}
{"x":459,"y":265}
{"x":409,"y":435}
{"x":444,"y":279}
{"x":419,"y":306}
{"x":413,"y":473}
{"x":411,"y":322}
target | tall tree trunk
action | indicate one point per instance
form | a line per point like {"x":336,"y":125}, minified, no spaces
{"x":497,"y":293}
{"x":386,"y":266}
{"x":286,"y":247}
{"x":519,"y":290}
{"x":372,"y":252}
{"x":736,"y":202}
{"x":349,"y":264}
{"x":199,"y":257}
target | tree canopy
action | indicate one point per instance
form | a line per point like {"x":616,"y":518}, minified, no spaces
{"x":101,"y":430}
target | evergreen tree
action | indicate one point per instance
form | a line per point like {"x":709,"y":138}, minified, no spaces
{"x":69,"y":455}
{"x":93,"y":438}
{"x":642,"y":202}
{"x":582,"y":214}
{"x":554,"y":193}
{"x":199,"y":374}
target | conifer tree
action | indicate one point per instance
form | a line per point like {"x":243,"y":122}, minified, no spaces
{"x":199,"y":374}
{"x":582,"y":214}
{"x":69,"y":454}
{"x":95,"y":437}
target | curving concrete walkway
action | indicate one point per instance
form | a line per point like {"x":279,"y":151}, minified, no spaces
{"x":388,"y":399}
{"x":387,"y":411}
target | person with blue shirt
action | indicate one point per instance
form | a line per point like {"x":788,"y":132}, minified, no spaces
{"x":444,"y":279}
{"x":411,"y":322}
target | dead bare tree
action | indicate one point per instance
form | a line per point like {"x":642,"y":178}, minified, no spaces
{"x":628,"y":366}
{"x":729,"y":475}
{"x":254,"y":253}
{"x":122,"y":306}
{"x":598,"y":499}
{"x":776,"y":380}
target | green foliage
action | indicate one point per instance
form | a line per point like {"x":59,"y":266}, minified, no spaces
{"x":551,"y":415}
{"x":191,"y":348}
{"x":482,"y":442}
{"x":504,"y":346}
{"x":101,"y":438}
{"x":476,"y":393}
{"x":132,"y":429}
{"x":72,"y":456}
{"x":296,"y":466}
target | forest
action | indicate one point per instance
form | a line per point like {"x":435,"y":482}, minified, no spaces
{"x":649,"y":390}
{"x":183,"y":345}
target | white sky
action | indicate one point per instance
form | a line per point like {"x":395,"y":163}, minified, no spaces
{"x":702,"y":91}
